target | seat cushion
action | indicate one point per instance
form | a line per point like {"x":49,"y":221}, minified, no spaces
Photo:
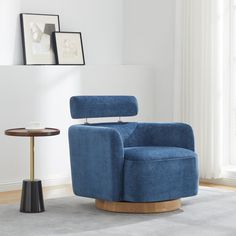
{"x":159,"y":174}
{"x":156,"y":153}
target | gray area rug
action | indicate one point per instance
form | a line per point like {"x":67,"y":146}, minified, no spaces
{"x":211,"y":213}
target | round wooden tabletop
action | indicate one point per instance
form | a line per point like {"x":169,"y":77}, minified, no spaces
{"x":22,"y":132}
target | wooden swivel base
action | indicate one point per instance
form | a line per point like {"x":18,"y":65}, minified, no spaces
{"x":140,"y":207}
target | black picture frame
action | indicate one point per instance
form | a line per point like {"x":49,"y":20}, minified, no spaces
{"x":24,"y":40}
{"x":57,"y":48}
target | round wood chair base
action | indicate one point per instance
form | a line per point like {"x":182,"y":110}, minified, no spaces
{"x":140,"y":207}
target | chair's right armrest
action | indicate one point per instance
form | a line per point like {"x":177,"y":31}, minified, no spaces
{"x":163,"y":134}
{"x":97,"y":158}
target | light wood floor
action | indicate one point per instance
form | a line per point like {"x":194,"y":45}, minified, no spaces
{"x":66,"y":190}
{"x":218,"y":186}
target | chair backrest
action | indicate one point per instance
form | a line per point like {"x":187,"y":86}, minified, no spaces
{"x":103,"y":106}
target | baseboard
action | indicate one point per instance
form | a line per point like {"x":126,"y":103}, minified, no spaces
{"x":10,"y":186}
{"x":224,"y":181}
{"x":228,"y":177}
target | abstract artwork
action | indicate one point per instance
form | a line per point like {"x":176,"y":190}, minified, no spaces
{"x":69,"y":48}
{"x":37,"y":30}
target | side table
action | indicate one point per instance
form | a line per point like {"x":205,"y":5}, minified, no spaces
{"x":32,"y":194}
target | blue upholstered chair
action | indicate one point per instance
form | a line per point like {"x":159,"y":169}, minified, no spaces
{"x":130,"y":166}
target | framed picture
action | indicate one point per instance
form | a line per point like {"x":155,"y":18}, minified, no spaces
{"x":69,"y":48}
{"x":37,"y":39}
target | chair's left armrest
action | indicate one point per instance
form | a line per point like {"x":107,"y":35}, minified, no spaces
{"x":97,"y":159}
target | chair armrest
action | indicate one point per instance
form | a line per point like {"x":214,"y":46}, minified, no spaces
{"x":97,"y":158}
{"x":163,"y":134}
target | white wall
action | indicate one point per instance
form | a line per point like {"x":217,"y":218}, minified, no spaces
{"x":36,"y":94}
{"x":10,"y":42}
{"x":149,"y":39}
{"x":114,"y":32}
{"x":100,"y":21}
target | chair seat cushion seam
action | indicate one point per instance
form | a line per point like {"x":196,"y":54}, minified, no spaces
{"x":167,"y":159}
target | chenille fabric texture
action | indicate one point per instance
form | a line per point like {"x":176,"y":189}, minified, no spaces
{"x":135,"y":162}
{"x":103,"y":106}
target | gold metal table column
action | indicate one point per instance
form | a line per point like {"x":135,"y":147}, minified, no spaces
{"x":31,"y":158}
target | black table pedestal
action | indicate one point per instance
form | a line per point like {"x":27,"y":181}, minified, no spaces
{"x":32,"y":197}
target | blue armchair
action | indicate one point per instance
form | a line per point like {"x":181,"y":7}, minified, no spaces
{"x":130,"y":166}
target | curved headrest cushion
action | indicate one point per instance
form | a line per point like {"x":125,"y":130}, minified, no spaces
{"x":103,"y":106}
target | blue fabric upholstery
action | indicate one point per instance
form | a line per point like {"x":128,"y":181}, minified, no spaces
{"x":97,"y":160}
{"x":136,"y":162}
{"x":153,"y":134}
{"x":154,"y":153}
{"x":103,"y":106}
{"x":162,"y":134}
{"x":159,"y":174}
{"x":124,"y":129}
